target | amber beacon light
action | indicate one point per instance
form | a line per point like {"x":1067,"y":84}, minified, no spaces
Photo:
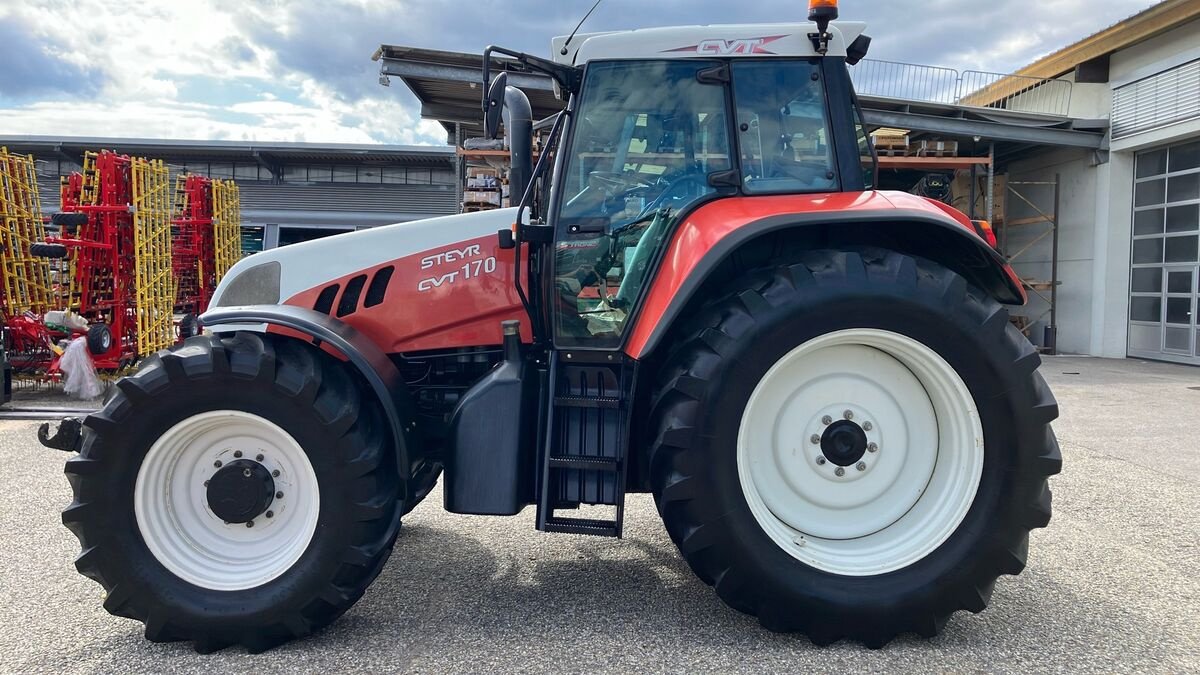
{"x":822,"y":11}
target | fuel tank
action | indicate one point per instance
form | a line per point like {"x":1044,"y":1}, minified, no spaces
{"x":438,"y":283}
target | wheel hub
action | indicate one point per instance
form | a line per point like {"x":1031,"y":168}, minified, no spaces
{"x":240,"y":491}
{"x":844,"y":443}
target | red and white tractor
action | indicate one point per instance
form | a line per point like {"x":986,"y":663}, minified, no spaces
{"x":700,"y":296}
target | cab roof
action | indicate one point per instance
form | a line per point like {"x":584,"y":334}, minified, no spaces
{"x":679,"y":42}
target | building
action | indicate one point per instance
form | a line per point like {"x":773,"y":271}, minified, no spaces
{"x":1129,"y":229}
{"x":290,"y":192}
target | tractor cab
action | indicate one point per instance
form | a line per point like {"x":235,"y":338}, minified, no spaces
{"x":658,"y":123}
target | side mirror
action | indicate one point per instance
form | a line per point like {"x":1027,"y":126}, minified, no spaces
{"x":495,"y":106}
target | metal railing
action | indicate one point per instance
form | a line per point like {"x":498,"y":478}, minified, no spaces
{"x":973,"y":88}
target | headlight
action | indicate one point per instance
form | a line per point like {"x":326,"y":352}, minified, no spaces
{"x":258,"y":285}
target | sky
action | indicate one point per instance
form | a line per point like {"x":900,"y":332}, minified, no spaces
{"x":301,"y":70}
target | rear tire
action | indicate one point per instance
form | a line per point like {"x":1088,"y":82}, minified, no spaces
{"x":721,"y":470}
{"x":172,"y":563}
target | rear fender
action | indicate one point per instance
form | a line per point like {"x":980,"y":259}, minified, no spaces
{"x":685,"y":279}
{"x":325,"y":332}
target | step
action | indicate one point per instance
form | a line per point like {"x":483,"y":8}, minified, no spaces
{"x":585,"y":463}
{"x":587,"y":402}
{"x":595,"y":528}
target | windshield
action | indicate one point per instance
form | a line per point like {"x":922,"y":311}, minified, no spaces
{"x":647,"y":136}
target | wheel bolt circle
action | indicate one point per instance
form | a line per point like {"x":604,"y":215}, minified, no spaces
{"x":848,"y":414}
{"x":820,"y":461}
{"x":237,"y":453}
{"x":867,"y":426}
{"x":270,"y":514}
{"x":839,"y":472}
{"x":861,"y":466}
{"x":279,"y":495}
{"x":872,"y":447}
{"x":205,"y":483}
{"x":217,"y":463}
{"x":815,"y":439}
{"x":275,"y":473}
{"x":827,"y":420}
{"x":249,"y":523}
{"x":258,"y":458}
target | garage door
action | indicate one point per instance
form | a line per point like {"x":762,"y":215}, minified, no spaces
{"x":1165,"y":279}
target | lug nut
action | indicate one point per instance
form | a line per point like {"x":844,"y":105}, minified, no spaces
{"x":867,"y":426}
{"x":237,"y":453}
{"x":249,"y":523}
{"x":871,"y":447}
{"x":275,"y":473}
{"x":820,"y":461}
{"x":827,"y":420}
{"x":217,"y":463}
{"x":848,"y":415}
{"x":246,"y":473}
{"x":258,"y":458}
{"x":270,"y":514}
{"x":840,"y":472}
{"x":279,"y":495}
{"x":815,"y":439}
{"x":861,"y":466}
{"x":205,"y":483}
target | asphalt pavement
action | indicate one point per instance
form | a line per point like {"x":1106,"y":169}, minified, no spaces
{"x":1113,"y":585}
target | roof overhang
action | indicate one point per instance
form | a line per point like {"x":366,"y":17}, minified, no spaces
{"x":448,"y":85}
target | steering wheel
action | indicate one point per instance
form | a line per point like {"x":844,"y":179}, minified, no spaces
{"x":670,"y":190}
{"x":612,"y":183}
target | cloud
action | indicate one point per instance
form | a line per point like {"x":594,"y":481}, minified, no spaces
{"x":269,"y":70}
{"x":33,"y":65}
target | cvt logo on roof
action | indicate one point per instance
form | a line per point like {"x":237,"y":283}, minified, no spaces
{"x":734,"y":47}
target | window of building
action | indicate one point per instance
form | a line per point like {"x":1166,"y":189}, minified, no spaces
{"x":293,"y":173}
{"x":1165,"y":258}
{"x":395,"y":175}
{"x":248,"y":172}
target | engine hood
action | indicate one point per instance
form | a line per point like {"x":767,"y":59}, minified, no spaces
{"x":273,"y":276}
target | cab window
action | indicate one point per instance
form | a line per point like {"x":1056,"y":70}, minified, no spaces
{"x":647,"y":136}
{"x":783,"y":127}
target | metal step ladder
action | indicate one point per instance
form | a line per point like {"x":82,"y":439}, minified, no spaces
{"x":583,"y":458}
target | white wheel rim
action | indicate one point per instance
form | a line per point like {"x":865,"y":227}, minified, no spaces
{"x":173,"y":515}
{"x":898,"y":502}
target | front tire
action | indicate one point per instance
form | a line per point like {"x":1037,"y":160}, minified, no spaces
{"x":853,"y":446}
{"x":181,"y":544}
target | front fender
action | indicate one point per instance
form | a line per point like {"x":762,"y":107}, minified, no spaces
{"x":364,"y":355}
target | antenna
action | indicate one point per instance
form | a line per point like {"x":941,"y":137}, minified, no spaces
{"x":577,"y":27}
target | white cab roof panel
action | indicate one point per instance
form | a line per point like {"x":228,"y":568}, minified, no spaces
{"x":743,"y":40}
